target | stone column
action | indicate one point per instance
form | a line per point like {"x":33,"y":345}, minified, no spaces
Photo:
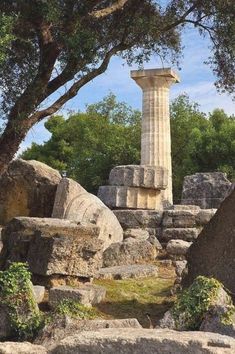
{"x":155,"y":134}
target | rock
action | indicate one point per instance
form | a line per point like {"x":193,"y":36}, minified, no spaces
{"x":179,"y":218}
{"x":137,"y":234}
{"x":61,"y":328}
{"x":204,"y":216}
{"x":181,"y":207}
{"x":179,"y":267}
{"x":74,"y":203}
{"x":195,"y":303}
{"x":131,"y":197}
{"x":86,"y":294}
{"x":213,"y":322}
{"x":53,"y":246}
{"x":39,"y":293}
{"x":134,"y":219}
{"x":177,"y":248}
{"x":124,"y":253}
{"x":128,"y":271}
{"x":186,"y":234}
{"x":152,"y":177}
{"x":154,"y":241}
{"x":206,"y":190}
{"x":21,"y":348}
{"x":212,"y":254}
{"x":27,"y":188}
{"x":140,"y":340}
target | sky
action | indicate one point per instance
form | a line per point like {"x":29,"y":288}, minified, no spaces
{"x":197,"y":81}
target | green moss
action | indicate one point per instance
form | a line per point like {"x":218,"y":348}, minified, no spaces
{"x":136,"y":297}
{"x":194,"y":302}
{"x":74,"y":309}
{"x":16,"y":294}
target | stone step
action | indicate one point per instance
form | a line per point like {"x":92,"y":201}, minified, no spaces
{"x":128,"y":271}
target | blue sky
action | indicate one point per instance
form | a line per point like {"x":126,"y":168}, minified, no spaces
{"x":197,"y":81}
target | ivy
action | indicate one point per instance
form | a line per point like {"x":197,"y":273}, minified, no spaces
{"x":16,"y":293}
{"x":75,"y":309}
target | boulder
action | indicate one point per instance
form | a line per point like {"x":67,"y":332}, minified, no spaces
{"x":151,"y":177}
{"x":177,"y":249}
{"x":206,"y":190}
{"x":53,"y":246}
{"x":124,"y":253}
{"x":87,"y":294}
{"x":39,"y":293}
{"x":140,"y":340}
{"x":212,"y":254}
{"x":61,"y":328}
{"x":128,"y":271}
{"x":73,"y":202}
{"x":27,"y":188}
{"x":134,"y":219}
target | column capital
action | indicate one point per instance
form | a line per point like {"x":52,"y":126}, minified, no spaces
{"x":154,"y":78}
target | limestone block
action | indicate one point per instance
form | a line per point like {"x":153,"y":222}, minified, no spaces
{"x":27,"y":188}
{"x":207,"y":190}
{"x":177,"y":249}
{"x":87,"y":294}
{"x":39,"y":293}
{"x":180,"y":267}
{"x":124,"y":253}
{"x":136,"y":234}
{"x":21,"y":348}
{"x":144,"y":340}
{"x":128,"y":271}
{"x":152,"y":177}
{"x":134,"y":219}
{"x":204,"y":216}
{"x":53,"y":246}
{"x":73,"y":202}
{"x":181,"y":207}
{"x":186,"y":234}
{"x":131,"y":197}
{"x":179,"y":218}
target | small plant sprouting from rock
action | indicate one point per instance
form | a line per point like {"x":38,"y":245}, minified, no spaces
{"x":74,"y":309}
{"x":195,"y":301}
{"x":16,"y":294}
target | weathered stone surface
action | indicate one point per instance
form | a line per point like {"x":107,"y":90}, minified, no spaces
{"x":207,"y":190}
{"x":181,"y":207}
{"x":154,"y":241}
{"x":128,"y":271}
{"x":124,"y":253}
{"x":27,"y":188}
{"x":134,"y":219}
{"x":53,"y":246}
{"x":177,"y":248}
{"x":39,"y":293}
{"x":87,"y":294}
{"x":152,"y":177}
{"x":61,"y":328}
{"x":179,"y":267}
{"x":204,"y":216}
{"x":188,"y":234}
{"x":131,"y":197}
{"x":179,"y":218}
{"x":151,"y":341}
{"x":213,"y":322}
{"x":212,"y":254}
{"x":137,"y":234}
{"x":74,"y":203}
{"x":21,"y":348}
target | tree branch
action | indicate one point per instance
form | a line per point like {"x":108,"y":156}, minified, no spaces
{"x":118,"y":5}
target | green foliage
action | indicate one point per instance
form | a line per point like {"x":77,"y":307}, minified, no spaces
{"x":195,"y":301}
{"x":16,"y":294}
{"x":74,"y":309}
{"x":88,"y":145}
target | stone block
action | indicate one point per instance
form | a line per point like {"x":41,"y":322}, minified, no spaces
{"x":204,"y":216}
{"x":177,"y":249}
{"x":179,"y":218}
{"x":206,"y":190}
{"x":53,"y":246}
{"x":186,"y":234}
{"x":136,"y":234}
{"x":73,"y":202}
{"x":128,"y":271}
{"x":144,"y":340}
{"x":143,"y":219}
{"x":131,"y":197}
{"x":27,"y":188}
{"x":21,"y":348}
{"x":39,"y":293}
{"x":181,"y":207}
{"x":151,"y":177}
{"x":87,"y":294}
{"x":124,"y":253}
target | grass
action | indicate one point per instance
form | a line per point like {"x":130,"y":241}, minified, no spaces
{"x":137,"y":297}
